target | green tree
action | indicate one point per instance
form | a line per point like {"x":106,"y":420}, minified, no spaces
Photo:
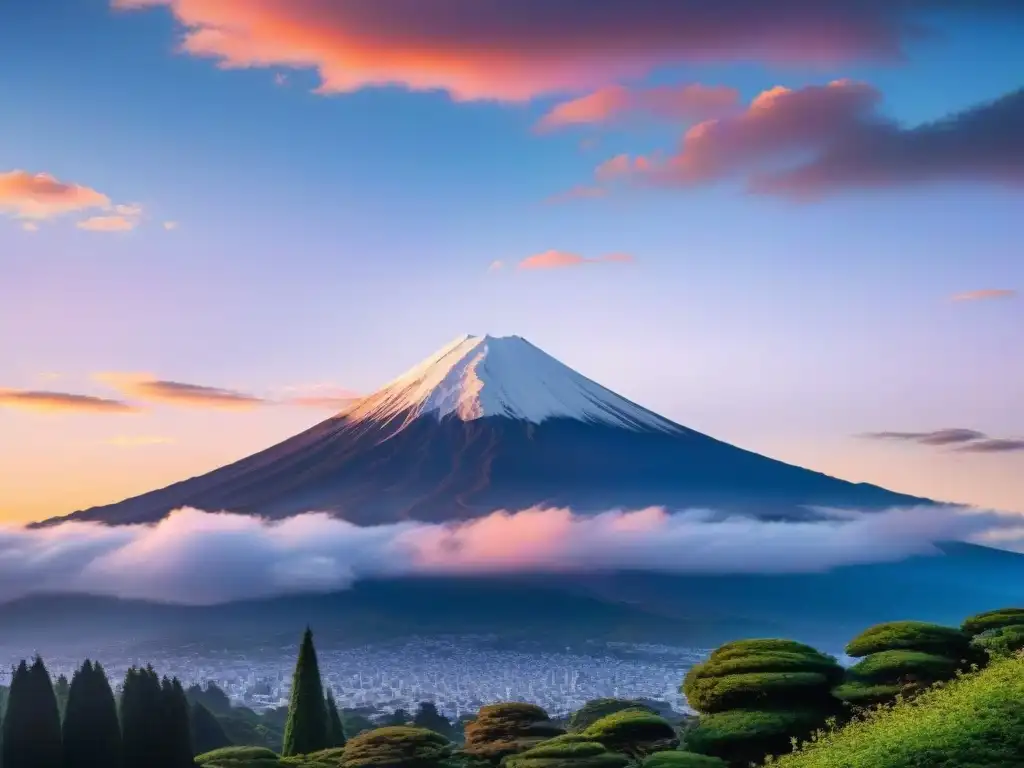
{"x":568,"y":751}
{"x":633,"y":732}
{"x":306,"y":729}
{"x":143,"y":726}
{"x":902,"y":658}
{"x":428,"y":717}
{"x":31,"y":727}
{"x":677,"y":759}
{"x":91,"y":730}
{"x":335,"y":729}
{"x":755,"y":696}
{"x":396,"y":747}
{"x":595,"y":709}
{"x":207,"y":732}
{"x":506,"y":729}
{"x":177,"y":731}
{"x":61,"y":689}
{"x":996,"y":633}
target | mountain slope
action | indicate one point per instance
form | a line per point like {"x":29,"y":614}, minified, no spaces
{"x":490,"y":424}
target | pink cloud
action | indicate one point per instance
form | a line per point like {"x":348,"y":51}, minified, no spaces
{"x":986,"y":294}
{"x":617,"y":103}
{"x":513,"y":51}
{"x":107,"y":224}
{"x":41,"y":196}
{"x":555,"y":259}
{"x":823,"y":139}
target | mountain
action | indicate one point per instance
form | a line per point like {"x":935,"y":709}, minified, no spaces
{"x":682,"y":610}
{"x":495,"y":423}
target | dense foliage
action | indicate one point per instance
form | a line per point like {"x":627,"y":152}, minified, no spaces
{"x":974,"y":721}
{"x":902,"y":658}
{"x":91,"y":732}
{"x":996,"y":633}
{"x":335,"y":729}
{"x":756,"y":695}
{"x":568,"y":751}
{"x":31,"y":728}
{"x":397,"y":746}
{"x":506,"y":729}
{"x":677,"y":759}
{"x":595,"y":709}
{"x":633,"y":732}
{"x":307,"y":727}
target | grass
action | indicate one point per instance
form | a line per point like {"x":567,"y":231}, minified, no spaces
{"x":974,"y":721}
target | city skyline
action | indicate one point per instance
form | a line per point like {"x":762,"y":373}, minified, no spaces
{"x":757,"y":226}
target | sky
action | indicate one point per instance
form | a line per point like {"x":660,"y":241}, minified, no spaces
{"x":796,"y":229}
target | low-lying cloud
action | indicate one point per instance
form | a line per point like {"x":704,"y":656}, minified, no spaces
{"x":149,"y":388}
{"x":61,"y":402}
{"x":196,"y":557}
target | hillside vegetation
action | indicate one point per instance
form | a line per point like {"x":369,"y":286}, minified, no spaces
{"x":920,"y":696}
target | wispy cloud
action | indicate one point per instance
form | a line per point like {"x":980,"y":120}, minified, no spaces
{"x":618,"y":104}
{"x":579,"y":192}
{"x":965,"y":440}
{"x":170,"y":225}
{"x":513,"y":51}
{"x":30,"y":226}
{"x":61,"y":402}
{"x":107,"y":224}
{"x":840,"y":141}
{"x":555,"y":259}
{"x":137,"y":441}
{"x":148,"y":388}
{"x":985,"y":294}
{"x":195,"y":557}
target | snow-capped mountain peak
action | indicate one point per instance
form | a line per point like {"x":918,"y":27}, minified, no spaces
{"x":475,"y":377}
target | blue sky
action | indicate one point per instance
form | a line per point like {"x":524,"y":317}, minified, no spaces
{"x":328,"y":242}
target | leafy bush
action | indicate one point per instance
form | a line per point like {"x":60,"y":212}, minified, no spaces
{"x":570,"y":751}
{"x":595,"y":709}
{"x":506,"y":729}
{"x":1000,"y":642}
{"x":974,"y":721}
{"x":678,"y":759}
{"x":911,"y":636}
{"x":745,"y":736}
{"x":1000,"y":618}
{"x":885,"y":665}
{"x":397,"y":746}
{"x":635,"y":732}
{"x":239,"y":756}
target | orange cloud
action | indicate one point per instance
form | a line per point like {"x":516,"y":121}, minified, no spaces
{"x":145,"y":387}
{"x":616,"y":103}
{"x":555,"y":259}
{"x":985,"y":294}
{"x":137,"y":441}
{"x":823,"y":139}
{"x":53,"y":402}
{"x":497,"y":49}
{"x":41,"y":196}
{"x":107,"y":224}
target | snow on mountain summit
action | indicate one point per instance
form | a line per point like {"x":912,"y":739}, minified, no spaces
{"x":475,"y":377}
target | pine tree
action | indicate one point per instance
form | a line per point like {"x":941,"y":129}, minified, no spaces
{"x":143,"y":730}
{"x":31,"y":727}
{"x":207,"y":732}
{"x":306,"y":729}
{"x":335,"y":730}
{"x":61,"y":689}
{"x":91,"y":731}
{"x":176,"y":726}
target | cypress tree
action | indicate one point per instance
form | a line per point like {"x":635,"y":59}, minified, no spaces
{"x":335,"y":730}
{"x":31,"y":727}
{"x":91,"y":731}
{"x":306,"y":728}
{"x":61,"y":689}
{"x":207,"y":732}
{"x":143,"y":730}
{"x":177,"y":730}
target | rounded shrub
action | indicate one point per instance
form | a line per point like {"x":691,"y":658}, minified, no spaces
{"x":634,"y":732}
{"x":1001,"y":618}
{"x":745,"y":736}
{"x":595,"y":709}
{"x":902,"y":658}
{"x":506,"y":729}
{"x":996,"y":633}
{"x":397,"y":746}
{"x":570,"y":751}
